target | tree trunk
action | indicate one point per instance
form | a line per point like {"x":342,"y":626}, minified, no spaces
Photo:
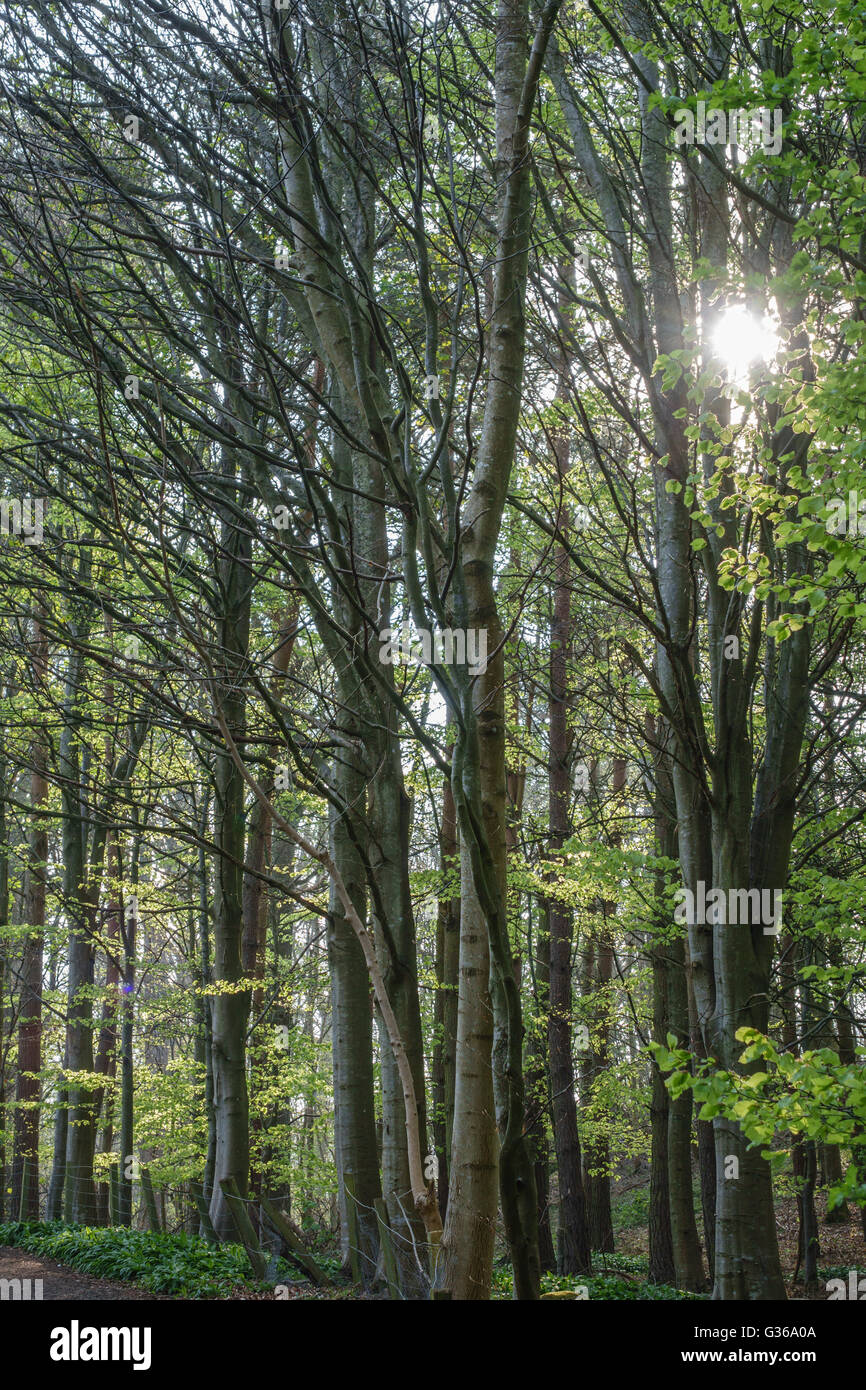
{"x":352,"y":1035}
{"x":684,"y":1231}
{"x":445,"y":1018}
{"x":4,"y":922}
{"x":30,"y":1009}
{"x":395,"y":935}
{"x":661,"y":1255}
{"x":537,"y":1089}
{"x":479,"y":756}
{"x":573,"y":1236}
{"x":596,"y":1153}
{"x":127,"y":1027}
{"x":54,"y":1204}
{"x":205,"y":1011}
{"x":106,"y":1055}
{"x":833,"y":1175}
{"x":80,"y":1196}
{"x":230,"y":1005}
{"x":466,"y":1256}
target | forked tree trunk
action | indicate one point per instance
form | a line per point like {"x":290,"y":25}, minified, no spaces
{"x":479,"y":757}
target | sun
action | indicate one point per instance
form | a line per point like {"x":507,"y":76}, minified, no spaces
{"x":741,"y":338}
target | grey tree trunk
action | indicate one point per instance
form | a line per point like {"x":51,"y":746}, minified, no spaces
{"x":352,"y":1032}
{"x":230,"y":1006}
{"x":29,"y":1088}
{"x":56,"y":1186}
{"x":596,"y":1162}
{"x":479,"y":781}
{"x":729,"y":971}
{"x":573,"y":1237}
{"x":127,"y":1097}
{"x":445,"y":1018}
{"x":661,"y":1254}
{"x":4,"y":922}
{"x":688,"y":1263}
{"x":204,"y":1038}
{"x":538,"y":1090}
{"x":80,"y":1194}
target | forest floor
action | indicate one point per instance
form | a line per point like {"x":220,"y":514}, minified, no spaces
{"x":59,"y":1282}
{"x":842,"y":1247}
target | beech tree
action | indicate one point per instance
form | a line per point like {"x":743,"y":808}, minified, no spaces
{"x":341,"y":341}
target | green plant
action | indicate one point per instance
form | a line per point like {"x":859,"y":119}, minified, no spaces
{"x":181,"y":1265}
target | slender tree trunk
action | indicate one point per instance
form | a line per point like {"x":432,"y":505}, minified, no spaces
{"x":255,"y":915}
{"x":706,"y":1141}
{"x":352,"y":1035}
{"x":106,"y":1051}
{"x":661,"y":1254}
{"x":848,"y":1056}
{"x":573,"y":1236}
{"x":29,"y":1088}
{"x":684,"y":1231}
{"x":479,"y":757}
{"x":105,"y":1063}
{"x":445,"y":1018}
{"x":4,"y":922}
{"x":80,"y":1194}
{"x":831,"y":1156}
{"x":206,"y":1006}
{"x":809,"y":1246}
{"x":537,"y":1090}
{"x":596,"y":1154}
{"x":466,"y":1257}
{"x":230,"y":1005}
{"x":395,"y":935}
{"x":129,"y":929}
{"x":54,"y":1204}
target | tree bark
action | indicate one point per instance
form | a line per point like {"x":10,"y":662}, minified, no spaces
{"x":573,"y":1238}
{"x":479,"y":757}
{"x":29,"y":1089}
{"x":230,"y":1004}
{"x":352,"y":1033}
{"x":661,"y":1254}
{"x":80,"y":1194}
{"x":684,"y":1231}
{"x":445,"y":1018}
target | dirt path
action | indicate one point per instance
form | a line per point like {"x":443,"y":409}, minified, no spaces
{"x":60,"y":1282}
